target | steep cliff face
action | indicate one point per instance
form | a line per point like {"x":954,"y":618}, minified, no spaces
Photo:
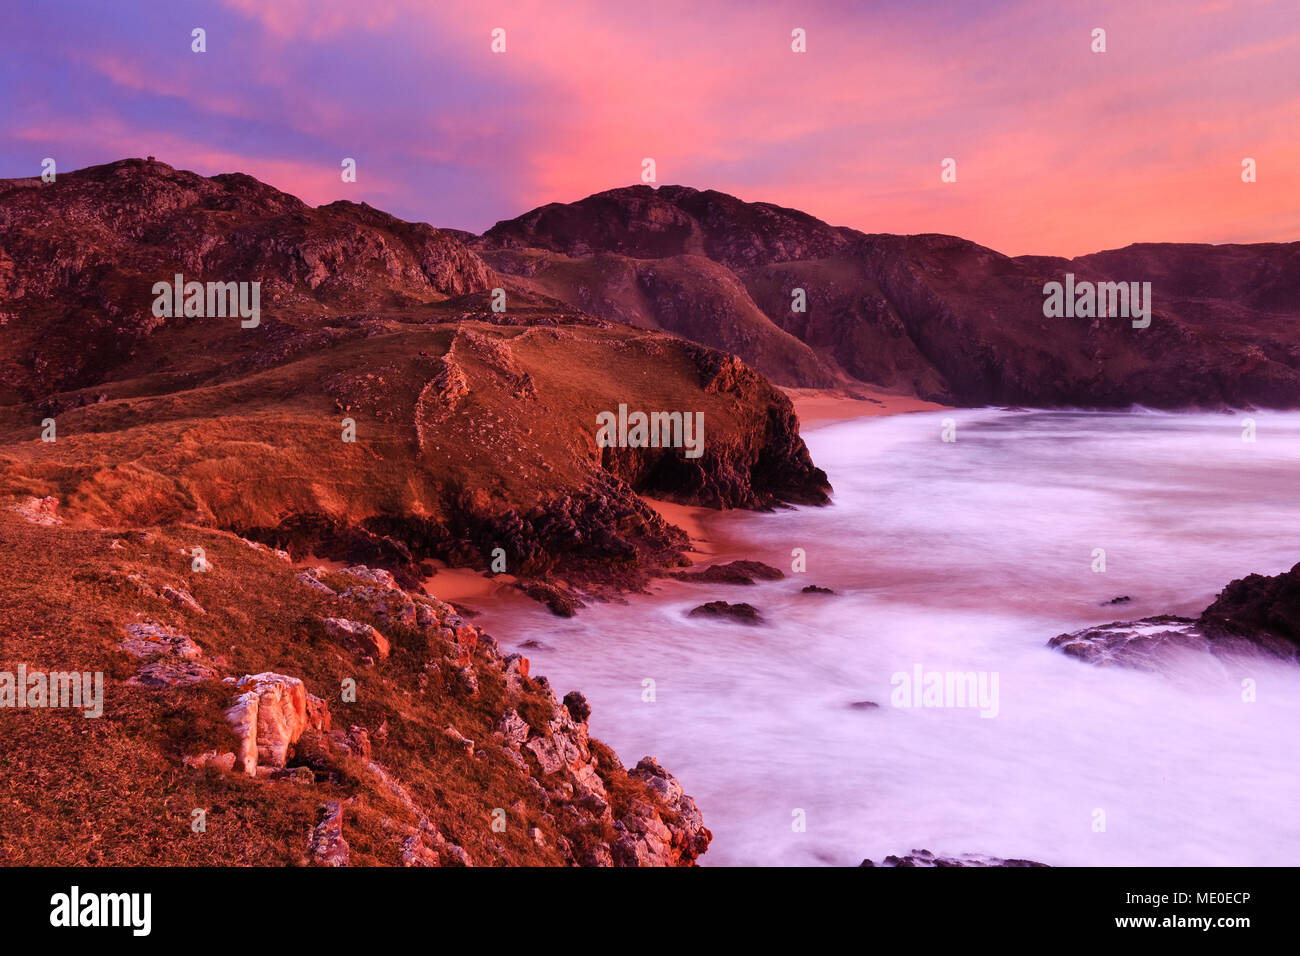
{"x":937,"y":316}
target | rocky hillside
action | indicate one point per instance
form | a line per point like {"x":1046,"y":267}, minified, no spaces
{"x":475,"y":430}
{"x":935,"y":316}
{"x":256,"y":712}
{"x":241,"y":528}
{"x":78,"y":258}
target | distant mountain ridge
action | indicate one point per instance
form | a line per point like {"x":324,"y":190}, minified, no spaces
{"x":931,"y":315}
{"x":934,"y":315}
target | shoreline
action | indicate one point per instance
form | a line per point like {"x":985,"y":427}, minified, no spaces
{"x":817,"y":407}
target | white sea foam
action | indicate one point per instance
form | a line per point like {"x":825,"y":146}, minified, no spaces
{"x":969,"y":556}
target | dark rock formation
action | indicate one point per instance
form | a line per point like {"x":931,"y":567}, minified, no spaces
{"x":924,"y":858}
{"x":743,"y":613}
{"x":79,"y":258}
{"x":561,"y":601}
{"x":1138,"y":644}
{"x":734,"y":572}
{"x":1257,"y":612}
{"x":1258,"y":607}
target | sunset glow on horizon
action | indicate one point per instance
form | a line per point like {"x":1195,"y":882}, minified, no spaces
{"x":1059,"y":150}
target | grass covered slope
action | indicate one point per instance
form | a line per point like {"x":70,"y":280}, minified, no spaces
{"x":468,"y":437}
{"x":303,"y":697}
{"x":443,"y":731}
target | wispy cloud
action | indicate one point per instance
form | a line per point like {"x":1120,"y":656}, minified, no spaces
{"x":1059,"y":149}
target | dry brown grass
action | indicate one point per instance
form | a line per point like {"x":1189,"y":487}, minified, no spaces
{"x":112,"y":790}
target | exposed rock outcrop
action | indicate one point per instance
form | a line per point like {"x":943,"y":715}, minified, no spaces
{"x":327,"y":845}
{"x":44,"y":511}
{"x":269,"y":716}
{"x":1139,"y":644}
{"x":734,"y":572}
{"x":1254,"y":613}
{"x":924,"y":858}
{"x":357,"y":636}
{"x":1259,"y":608}
{"x":742,"y":613}
{"x":100,"y":237}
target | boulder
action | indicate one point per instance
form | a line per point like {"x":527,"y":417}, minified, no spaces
{"x":42,"y":511}
{"x":516,"y":672}
{"x":1137,"y":644}
{"x":734,"y":572}
{"x":514,"y":728}
{"x":269,"y":716}
{"x":149,"y":641}
{"x":561,"y":601}
{"x":390,"y":605}
{"x":314,"y":582}
{"x":742,"y":613}
{"x":577,"y":706}
{"x":373,"y":575}
{"x":358,"y":637}
{"x":171,"y":672}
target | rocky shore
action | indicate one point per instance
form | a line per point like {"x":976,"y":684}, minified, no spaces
{"x":1257,"y":613}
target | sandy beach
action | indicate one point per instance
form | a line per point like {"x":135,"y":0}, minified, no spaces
{"x":821,"y":406}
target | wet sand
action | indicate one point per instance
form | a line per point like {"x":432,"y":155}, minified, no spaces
{"x":821,"y":406}
{"x":692,"y":520}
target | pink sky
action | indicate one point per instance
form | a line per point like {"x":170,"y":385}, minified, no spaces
{"x":1059,"y":150}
